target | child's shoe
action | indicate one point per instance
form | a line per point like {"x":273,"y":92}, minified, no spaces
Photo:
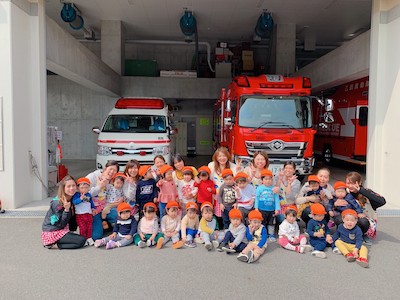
{"x":272,"y":238}
{"x":300,"y":249}
{"x":336,"y":250}
{"x":160,"y":243}
{"x":228,"y":249}
{"x":105,"y":225}
{"x":242,"y":257}
{"x":208,"y":246}
{"x":363,"y":262}
{"x":318,"y":253}
{"x":90,"y":242}
{"x":350,"y":257}
{"x":177,"y":245}
{"x":149,"y":243}
{"x":250,"y":256}
{"x":331,"y":224}
{"x":215,"y":244}
{"x":142,"y":244}
{"x":367,"y":240}
{"x":111,"y":244}
{"x":99,"y":243}
{"x":190,"y":244}
{"x":219,"y":248}
{"x":198,"y":240}
{"x":307,"y":248}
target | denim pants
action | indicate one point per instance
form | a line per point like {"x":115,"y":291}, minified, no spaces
{"x":229,"y":238}
{"x":97,"y":232}
{"x":225,"y":216}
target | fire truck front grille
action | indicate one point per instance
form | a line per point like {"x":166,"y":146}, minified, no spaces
{"x":277,"y":148}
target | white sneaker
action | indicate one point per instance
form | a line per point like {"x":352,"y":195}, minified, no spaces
{"x":336,"y":250}
{"x":149,"y":243}
{"x":319,"y":254}
{"x":142,"y":244}
{"x":242,"y":257}
{"x":250,"y":256}
{"x":90,"y":242}
{"x":229,"y":249}
{"x":307,"y":248}
{"x":215,"y":244}
{"x":208,"y":246}
{"x":198,"y":240}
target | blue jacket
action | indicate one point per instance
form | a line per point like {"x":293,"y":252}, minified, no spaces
{"x":351,"y":203}
{"x":266,"y":200}
{"x":146,"y":191}
{"x":349,"y":236}
{"x":315,"y":226}
{"x":125,"y":227}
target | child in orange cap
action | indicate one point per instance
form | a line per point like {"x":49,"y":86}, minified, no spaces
{"x":115,"y":195}
{"x":235,"y":237}
{"x":190,"y":225}
{"x":168,"y":191}
{"x":187,"y":192}
{"x":289,"y":232}
{"x":257,"y":236}
{"x":318,"y":230}
{"x":171,"y":225}
{"x":148,"y":229}
{"x":245,"y":194}
{"x":208,"y":227}
{"x":84,"y":209}
{"x":146,"y":189}
{"x":311,"y":194}
{"x":123,"y":231}
{"x":342,"y":194}
{"x":226,"y":196}
{"x":206,"y":187}
{"x":348,"y":239}
{"x":267,"y":202}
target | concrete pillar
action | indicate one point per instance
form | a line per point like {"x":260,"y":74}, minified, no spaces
{"x":383,"y":154}
{"x":285,"y":49}
{"x":23,"y":102}
{"x":113,"y":45}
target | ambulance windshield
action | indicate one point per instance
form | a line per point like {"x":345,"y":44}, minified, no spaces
{"x":134,"y":123}
{"x":274,"y":112}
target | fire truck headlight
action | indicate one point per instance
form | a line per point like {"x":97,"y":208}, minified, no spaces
{"x":103,"y":150}
{"x":164,"y":150}
{"x":244,"y":162}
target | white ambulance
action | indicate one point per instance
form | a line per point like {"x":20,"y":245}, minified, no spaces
{"x":136,"y":128}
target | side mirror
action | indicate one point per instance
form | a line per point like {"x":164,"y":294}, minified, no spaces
{"x":172,"y":131}
{"x":329,"y":105}
{"x":328,"y":117}
{"x":228,"y":105}
{"x":227,"y":121}
{"x":96,"y":130}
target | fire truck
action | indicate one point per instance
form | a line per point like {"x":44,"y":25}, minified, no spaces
{"x":271,"y":113}
{"x":136,"y":128}
{"x":346,"y":137}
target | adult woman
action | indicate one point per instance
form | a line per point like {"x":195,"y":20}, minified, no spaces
{"x":288,"y":186}
{"x":55,"y":228}
{"x":179,"y":163}
{"x":220,"y":161}
{"x":98,"y":183}
{"x":132,"y":177}
{"x":368,"y":200}
{"x":259,"y":162}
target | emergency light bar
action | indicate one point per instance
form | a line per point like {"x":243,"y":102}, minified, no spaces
{"x":149,"y":103}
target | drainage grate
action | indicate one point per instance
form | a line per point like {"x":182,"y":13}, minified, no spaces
{"x":23,"y":214}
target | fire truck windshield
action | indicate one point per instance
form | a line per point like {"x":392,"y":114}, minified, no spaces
{"x":134,"y":123}
{"x":274,"y":112}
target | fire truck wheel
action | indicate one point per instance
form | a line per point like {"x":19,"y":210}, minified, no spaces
{"x":327,"y":154}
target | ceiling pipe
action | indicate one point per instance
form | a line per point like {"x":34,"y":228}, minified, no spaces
{"x":164,"y":42}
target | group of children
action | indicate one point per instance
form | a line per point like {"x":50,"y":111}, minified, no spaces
{"x":248,"y":216}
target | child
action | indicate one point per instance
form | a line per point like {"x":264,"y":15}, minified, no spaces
{"x":245,"y":194}
{"x":148,"y":234}
{"x":310,"y":194}
{"x":289,"y":232}
{"x":341,"y":194}
{"x":208,"y":227}
{"x":115,"y":194}
{"x":146,"y":190}
{"x":186,"y":190}
{"x":226,"y":195}
{"x":206,"y":187}
{"x":257,"y":236}
{"x":123,"y":231}
{"x":171,"y":225}
{"x":235,"y":237}
{"x":318,"y":230}
{"x":168,"y":191}
{"x":267,"y":203}
{"x":348,"y":239}
{"x":190,"y":225}
{"x":84,"y":209}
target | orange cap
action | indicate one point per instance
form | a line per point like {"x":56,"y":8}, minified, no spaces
{"x":190,"y":205}
{"x":234,"y":213}
{"x":226,"y":172}
{"x":150,"y":204}
{"x":172,"y":204}
{"x":204,"y":169}
{"x":83,"y":180}
{"x":165,"y":168}
{"x":187,"y":169}
{"x":265,"y":173}
{"x":205,"y":204}
{"x":339,"y":185}
{"x":143,"y":170}
{"x":292,"y":207}
{"x":123,"y":207}
{"x":255,"y":215}
{"x":349,"y":212}
{"x":119,"y":174}
{"x":313,"y":178}
{"x":317,"y":209}
{"x":241,"y":175}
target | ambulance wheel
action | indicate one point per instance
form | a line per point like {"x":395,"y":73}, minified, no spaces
{"x":327,"y":154}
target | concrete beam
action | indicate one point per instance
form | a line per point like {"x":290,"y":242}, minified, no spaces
{"x":70,"y":59}
{"x":346,"y":63}
{"x":169,"y":87}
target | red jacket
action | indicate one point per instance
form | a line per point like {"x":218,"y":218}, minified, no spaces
{"x":203,"y":194}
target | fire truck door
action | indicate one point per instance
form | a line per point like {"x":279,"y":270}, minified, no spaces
{"x":360,"y":138}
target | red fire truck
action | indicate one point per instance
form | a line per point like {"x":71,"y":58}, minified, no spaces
{"x":268,"y":112}
{"x":346,"y":137}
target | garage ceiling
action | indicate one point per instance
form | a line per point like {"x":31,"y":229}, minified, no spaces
{"x":332,"y":21}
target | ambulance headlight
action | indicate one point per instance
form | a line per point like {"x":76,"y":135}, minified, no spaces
{"x":164,"y":150}
{"x":103,"y":150}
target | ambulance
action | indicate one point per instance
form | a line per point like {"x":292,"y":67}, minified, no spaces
{"x":136,"y":128}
